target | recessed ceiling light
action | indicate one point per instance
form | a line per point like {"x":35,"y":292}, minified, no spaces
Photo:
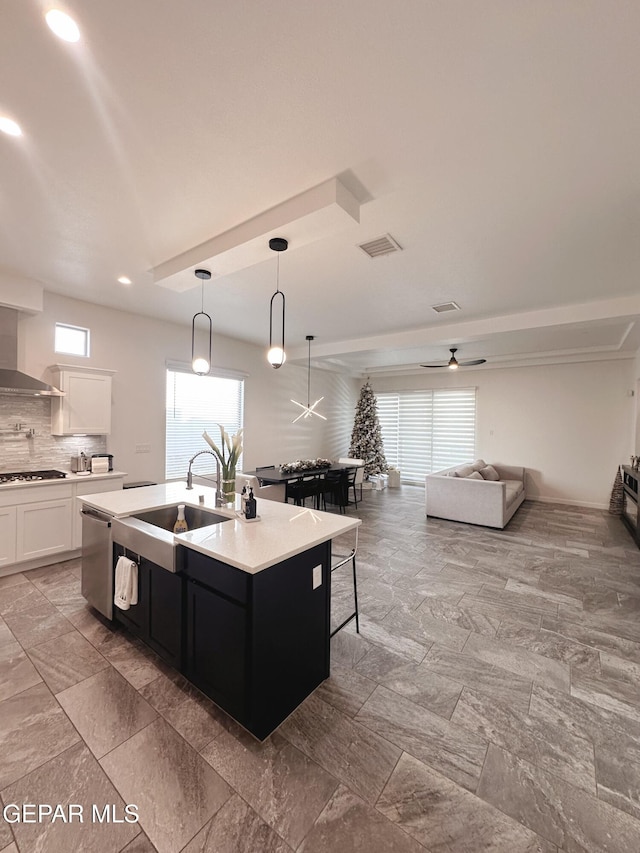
{"x":8,"y":125}
{"x":124,"y":280}
{"x":62,"y":25}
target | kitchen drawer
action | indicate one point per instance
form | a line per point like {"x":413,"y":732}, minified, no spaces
{"x":218,"y":576}
{"x":94,"y":487}
{"x":12,"y":496}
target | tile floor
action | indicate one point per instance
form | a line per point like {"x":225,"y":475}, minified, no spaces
{"x":490,"y":703}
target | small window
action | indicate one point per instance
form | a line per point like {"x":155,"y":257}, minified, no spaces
{"x":72,"y":340}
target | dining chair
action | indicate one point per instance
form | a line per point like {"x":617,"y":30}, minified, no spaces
{"x":336,"y":488}
{"x":276,"y":492}
{"x":359,"y":473}
{"x":306,"y":487}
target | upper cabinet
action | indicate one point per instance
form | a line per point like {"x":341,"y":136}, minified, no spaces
{"x":86,"y":406}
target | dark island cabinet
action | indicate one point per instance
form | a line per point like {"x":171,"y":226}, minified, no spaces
{"x":258,"y":644}
{"x":216,"y":637}
{"x":157,"y":618}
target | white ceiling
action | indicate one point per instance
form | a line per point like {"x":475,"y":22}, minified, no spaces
{"x":497,"y":142}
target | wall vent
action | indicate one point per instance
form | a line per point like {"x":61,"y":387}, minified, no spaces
{"x":384,"y":245}
{"x":446,"y":306}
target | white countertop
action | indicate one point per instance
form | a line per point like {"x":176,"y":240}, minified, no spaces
{"x":284,"y":530}
{"x":69,"y":478}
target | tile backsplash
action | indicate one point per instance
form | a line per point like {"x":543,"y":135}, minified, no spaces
{"x":43,"y":450}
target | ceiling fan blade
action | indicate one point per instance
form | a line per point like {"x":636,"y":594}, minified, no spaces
{"x":446,"y":364}
{"x":469,"y":363}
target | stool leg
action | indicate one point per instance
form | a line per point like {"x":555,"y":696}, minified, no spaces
{"x":355,"y":594}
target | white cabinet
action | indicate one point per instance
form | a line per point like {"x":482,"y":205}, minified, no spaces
{"x":89,"y":489}
{"x":86,"y":406}
{"x":7,"y":535}
{"x":43,"y":528}
{"x":38,"y":522}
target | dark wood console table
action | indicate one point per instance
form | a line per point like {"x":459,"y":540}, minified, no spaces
{"x":630,"y":515}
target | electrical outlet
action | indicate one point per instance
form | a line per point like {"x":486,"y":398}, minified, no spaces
{"x":143,"y":448}
{"x":317,"y":576}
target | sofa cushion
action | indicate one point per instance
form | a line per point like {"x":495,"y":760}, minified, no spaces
{"x":513,"y":489}
{"x":489,"y":473}
{"x":463,"y":471}
{"x":475,"y":475}
{"x":478,"y":464}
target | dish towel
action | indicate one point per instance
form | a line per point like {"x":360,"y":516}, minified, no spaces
{"x":126,"y":583}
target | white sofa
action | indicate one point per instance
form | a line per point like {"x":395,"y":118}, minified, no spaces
{"x":454,"y":495}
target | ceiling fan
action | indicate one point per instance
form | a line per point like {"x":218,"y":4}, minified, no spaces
{"x":454,"y":364}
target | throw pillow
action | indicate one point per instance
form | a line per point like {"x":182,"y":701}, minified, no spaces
{"x":489,"y":473}
{"x":463,"y":471}
{"x":476,"y":475}
{"x":479,"y":464}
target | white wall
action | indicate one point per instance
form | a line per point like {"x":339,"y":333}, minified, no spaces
{"x":570,"y":425}
{"x":137,"y":348}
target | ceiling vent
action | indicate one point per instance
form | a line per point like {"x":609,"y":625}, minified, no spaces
{"x":384,"y":245}
{"x":445,"y":306}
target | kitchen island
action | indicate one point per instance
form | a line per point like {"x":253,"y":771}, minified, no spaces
{"x":245,"y":615}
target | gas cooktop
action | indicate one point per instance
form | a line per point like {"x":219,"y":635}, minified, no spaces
{"x":31,"y":476}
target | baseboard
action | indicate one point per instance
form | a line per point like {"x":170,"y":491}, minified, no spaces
{"x":40,"y":562}
{"x":567,"y":502}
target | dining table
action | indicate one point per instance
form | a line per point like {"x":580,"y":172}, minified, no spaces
{"x":271,"y":475}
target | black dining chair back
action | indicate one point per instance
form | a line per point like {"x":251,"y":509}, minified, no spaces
{"x":307,"y":487}
{"x":336,"y":488}
{"x":351,"y":484}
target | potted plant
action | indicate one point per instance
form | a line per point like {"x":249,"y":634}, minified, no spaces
{"x":228,"y":453}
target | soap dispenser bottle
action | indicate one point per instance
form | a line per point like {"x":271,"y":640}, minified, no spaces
{"x":181,"y":525}
{"x":250,"y":511}
{"x":243,"y":501}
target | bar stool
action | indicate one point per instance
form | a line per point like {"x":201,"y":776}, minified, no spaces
{"x":342,"y":560}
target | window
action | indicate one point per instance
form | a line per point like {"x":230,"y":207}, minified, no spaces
{"x":195,"y":404}
{"x":72,"y":340}
{"x":425,"y":431}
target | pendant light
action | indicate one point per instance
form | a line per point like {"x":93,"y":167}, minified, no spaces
{"x":308,"y":410}
{"x":276,"y":355}
{"x":201,"y":360}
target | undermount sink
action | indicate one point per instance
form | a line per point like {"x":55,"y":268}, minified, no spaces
{"x":150,"y":534}
{"x":195,"y":516}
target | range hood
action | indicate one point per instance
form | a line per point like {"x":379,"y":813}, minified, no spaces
{"x":13,"y":381}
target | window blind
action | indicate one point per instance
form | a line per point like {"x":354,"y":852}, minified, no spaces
{"x":425,"y":431}
{"x":195,"y":404}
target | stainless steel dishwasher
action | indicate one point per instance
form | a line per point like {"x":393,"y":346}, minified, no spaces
{"x":97,"y":561}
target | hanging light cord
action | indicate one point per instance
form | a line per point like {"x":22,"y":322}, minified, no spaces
{"x":308,"y":410}
{"x":278,"y":291}
{"x":309,"y":378}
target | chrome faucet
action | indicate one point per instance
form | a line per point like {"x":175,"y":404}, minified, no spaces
{"x":219,"y":497}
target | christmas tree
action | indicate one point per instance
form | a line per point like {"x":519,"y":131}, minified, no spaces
{"x":366,"y":440}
